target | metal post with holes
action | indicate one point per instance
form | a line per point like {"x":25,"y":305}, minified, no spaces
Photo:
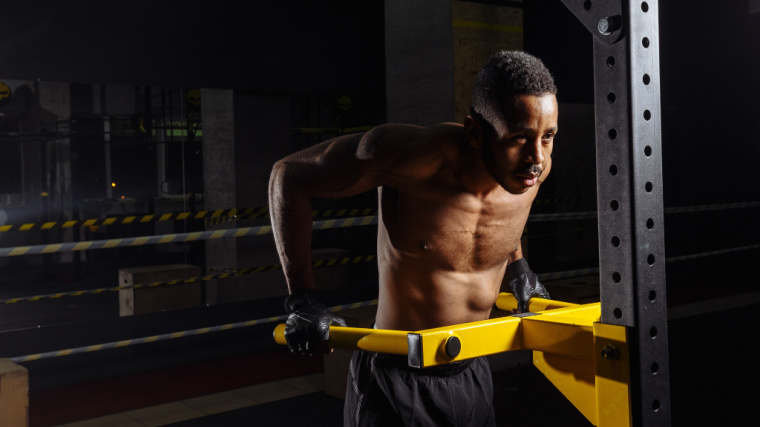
{"x":629,"y":190}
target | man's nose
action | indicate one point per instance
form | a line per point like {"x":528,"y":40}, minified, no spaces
{"x":536,"y":152}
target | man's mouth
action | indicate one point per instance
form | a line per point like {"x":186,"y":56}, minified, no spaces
{"x":528,"y":180}
{"x":529,"y":175}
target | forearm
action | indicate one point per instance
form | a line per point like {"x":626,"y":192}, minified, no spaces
{"x":290,"y":212}
{"x":516,"y":255}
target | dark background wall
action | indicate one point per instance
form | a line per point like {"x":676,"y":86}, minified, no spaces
{"x":326,"y":46}
{"x":710,"y":90}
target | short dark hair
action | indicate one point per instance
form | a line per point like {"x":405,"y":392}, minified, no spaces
{"x":506,"y":74}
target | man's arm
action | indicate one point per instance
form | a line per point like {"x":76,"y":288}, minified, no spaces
{"x":293,"y":182}
{"x":340,"y":167}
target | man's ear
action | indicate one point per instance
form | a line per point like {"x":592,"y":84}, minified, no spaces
{"x":473,"y":132}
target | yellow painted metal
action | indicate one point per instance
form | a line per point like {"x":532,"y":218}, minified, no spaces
{"x":279,"y":334}
{"x":566,"y":331}
{"x":376,"y":340}
{"x":567,"y":342}
{"x":576,"y":313}
{"x":477,"y":338}
{"x":572,"y":376}
{"x":613,"y":379}
{"x":561,"y":330}
{"x":507,"y":302}
{"x":566,"y":338}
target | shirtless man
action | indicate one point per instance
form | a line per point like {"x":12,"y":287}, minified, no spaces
{"x":454,"y":200}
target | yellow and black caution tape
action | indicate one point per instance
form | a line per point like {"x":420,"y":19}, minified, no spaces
{"x":327,"y":213}
{"x":137,"y":219}
{"x":260,"y":230}
{"x":236,"y":273}
{"x":224,"y":215}
{"x":154,"y":338}
{"x":174,"y":335}
{"x":211,"y":217}
{"x":175,"y":238}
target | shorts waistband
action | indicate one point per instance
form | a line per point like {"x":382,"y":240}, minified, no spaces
{"x":402,"y":362}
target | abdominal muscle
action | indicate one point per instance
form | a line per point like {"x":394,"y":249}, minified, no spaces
{"x":442,"y":255}
{"x":417,"y":292}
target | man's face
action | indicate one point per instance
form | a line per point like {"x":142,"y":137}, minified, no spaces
{"x":519,"y":151}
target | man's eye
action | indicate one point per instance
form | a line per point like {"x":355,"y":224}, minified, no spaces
{"x":519,"y":138}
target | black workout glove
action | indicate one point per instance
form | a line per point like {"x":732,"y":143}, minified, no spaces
{"x":524,"y":284}
{"x":308,"y":325}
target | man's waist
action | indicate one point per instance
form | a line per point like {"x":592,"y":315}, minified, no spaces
{"x":401,"y":361}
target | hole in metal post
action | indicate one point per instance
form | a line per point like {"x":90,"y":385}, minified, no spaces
{"x":615,"y":241}
{"x":650,"y":223}
{"x":645,"y":42}
{"x":647,"y":115}
{"x":647,"y":151}
{"x":656,"y":405}
{"x":653,"y":332}
{"x":611,"y":97}
{"x":648,"y":187}
{"x":613,"y":170}
{"x":644,"y":7}
{"x":652,"y":296}
{"x":612,"y":133}
{"x":616,"y":277}
{"x":655,"y":367}
{"x":610,"y":61}
{"x":646,"y":79}
{"x":614,"y":205}
{"x":650,"y":259}
{"x":618,"y":313}
{"x":587,"y":4}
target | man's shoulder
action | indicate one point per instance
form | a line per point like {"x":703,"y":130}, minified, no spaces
{"x":411,"y":151}
{"x":419,"y":133}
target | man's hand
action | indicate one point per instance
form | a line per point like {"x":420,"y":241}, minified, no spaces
{"x":308,"y":325}
{"x":524,"y":284}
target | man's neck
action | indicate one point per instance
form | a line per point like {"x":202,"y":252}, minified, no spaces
{"x":470,"y":171}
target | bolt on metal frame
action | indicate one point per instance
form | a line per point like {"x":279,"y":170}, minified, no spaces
{"x":629,"y":196}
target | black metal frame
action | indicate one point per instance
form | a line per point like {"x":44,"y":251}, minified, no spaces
{"x":629,"y":190}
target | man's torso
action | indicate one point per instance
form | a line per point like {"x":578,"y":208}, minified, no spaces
{"x":442,"y":251}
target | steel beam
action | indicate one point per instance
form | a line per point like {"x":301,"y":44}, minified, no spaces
{"x":629,"y":196}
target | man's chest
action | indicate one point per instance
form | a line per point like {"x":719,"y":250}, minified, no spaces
{"x":459,"y":231}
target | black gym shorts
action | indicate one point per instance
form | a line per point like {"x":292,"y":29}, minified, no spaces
{"x":384,"y":391}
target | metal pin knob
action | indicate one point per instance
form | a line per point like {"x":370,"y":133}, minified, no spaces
{"x":453,"y":347}
{"x":610,"y":352}
{"x":609,"y":24}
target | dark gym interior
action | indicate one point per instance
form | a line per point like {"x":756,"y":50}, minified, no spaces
{"x":138,"y":111}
